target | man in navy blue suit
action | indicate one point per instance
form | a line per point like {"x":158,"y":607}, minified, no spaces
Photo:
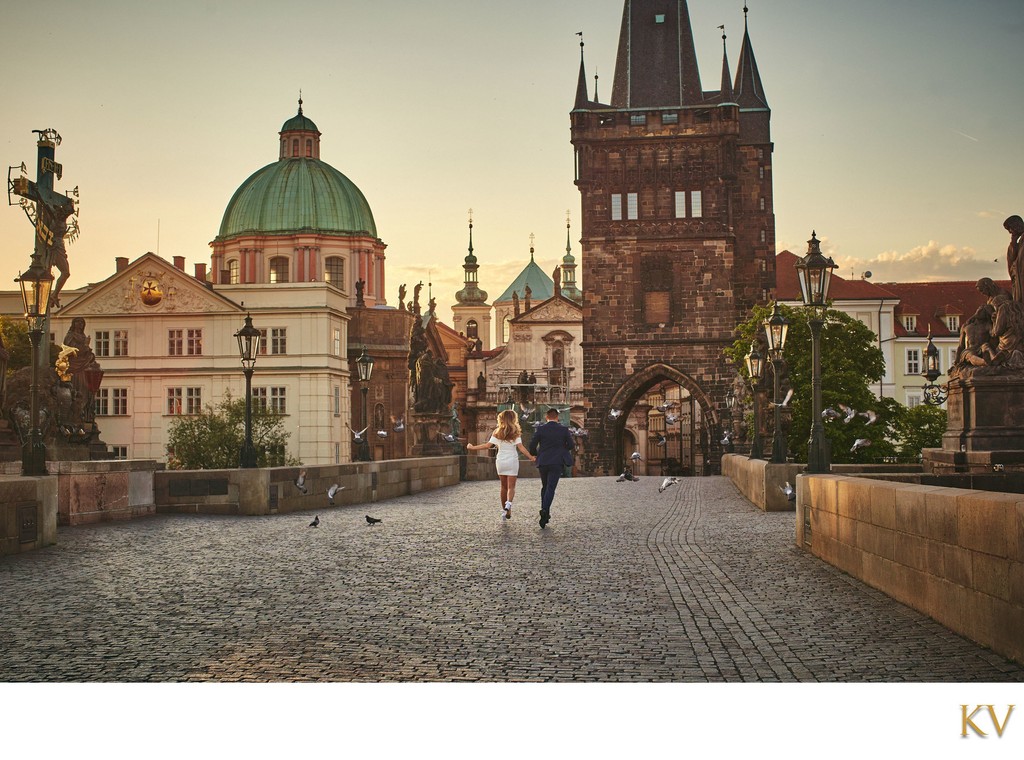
{"x":552,"y":445}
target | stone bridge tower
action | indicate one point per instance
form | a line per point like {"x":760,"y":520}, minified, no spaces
{"x":678,"y":226}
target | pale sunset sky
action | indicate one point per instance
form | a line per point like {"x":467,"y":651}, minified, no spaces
{"x":897,"y":124}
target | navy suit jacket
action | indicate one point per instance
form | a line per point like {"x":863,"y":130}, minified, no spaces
{"x":554,"y":443}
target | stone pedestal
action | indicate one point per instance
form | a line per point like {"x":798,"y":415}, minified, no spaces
{"x":984,"y":428}
{"x":428,"y":435}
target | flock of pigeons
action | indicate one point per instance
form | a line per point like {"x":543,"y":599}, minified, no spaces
{"x":300,"y":484}
{"x":398,"y":426}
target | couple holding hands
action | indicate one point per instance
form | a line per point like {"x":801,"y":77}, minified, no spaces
{"x":550,"y":449}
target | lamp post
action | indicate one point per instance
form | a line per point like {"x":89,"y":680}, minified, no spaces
{"x":934,"y":395}
{"x":730,"y":404}
{"x":248,"y":348}
{"x":35,"y":295}
{"x":776,"y":328}
{"x":364,"y":366}
{"x":755,"y":368}
{"x":815,"y":275}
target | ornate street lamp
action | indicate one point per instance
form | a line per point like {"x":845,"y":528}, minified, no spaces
{"x":776,"y":328}
{"x":755,"y":368}
{"x":730,"y":404}
{"x":933,"y":394}
{"x":248,"y":348}
{"x":364,"y":366}
{"x":35,"y":294}
{"x":815,"y":274}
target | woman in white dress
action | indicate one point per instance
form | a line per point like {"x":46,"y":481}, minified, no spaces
{"x":507,"y":438}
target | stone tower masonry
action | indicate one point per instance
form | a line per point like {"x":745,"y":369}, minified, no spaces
{"x":678,"y":229}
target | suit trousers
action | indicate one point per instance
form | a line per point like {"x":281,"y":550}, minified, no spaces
{"x":549,"y":476}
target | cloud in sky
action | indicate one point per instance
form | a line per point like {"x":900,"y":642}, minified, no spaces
{"x":925,"y":263}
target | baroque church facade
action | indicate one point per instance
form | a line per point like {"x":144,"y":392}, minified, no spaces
{"x":678,"y":230}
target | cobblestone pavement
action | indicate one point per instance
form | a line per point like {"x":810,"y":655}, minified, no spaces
{"x":624,"y":585}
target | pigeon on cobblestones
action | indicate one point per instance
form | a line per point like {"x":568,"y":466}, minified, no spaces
{"x":315,"y":523}
{"x":666,"y":484}
{"x":332,"y":492}
{"x":371,"y":520}
{"x":626,"y":475}
{"x":300,"y":482}
{"x":789,"y":491}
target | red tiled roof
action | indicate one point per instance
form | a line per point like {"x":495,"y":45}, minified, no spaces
{"x":787,"y":286}
{"x":931,"y":301}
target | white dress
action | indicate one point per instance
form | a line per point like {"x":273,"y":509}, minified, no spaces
{"x":507,"y":461}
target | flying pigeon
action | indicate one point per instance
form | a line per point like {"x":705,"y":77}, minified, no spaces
{"x":786,"y":400}
{"x":614,"y":414}
{"x":636,"y":456}
{"x":382,"y":433}
{"x":666,"y":406}
{"x":372,"y":520}
{"x":399,"y":424}
{"x":358,"y":437}
{"x":525,"y":412}
{"x":789,"y":491}
{"x":666,"y":484}
{"x":626,"y":475}
{"x":332,"y":492}
{"x":661,"y":441}
{"x":860,"y":443}
{"x":300,"y":482}
{"x":315,"y":523}
{"x":449,"y":437}
{"x":870,"y":416}
{"x":849,"y":411}
{"x":671,"y":419}
{"x":537,"y":424}
{"x":830,"y":414}
{"x":727,"y":439}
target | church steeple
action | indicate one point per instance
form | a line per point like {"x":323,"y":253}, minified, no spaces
{"x":656,"y":64}
{"x":471,"y":293}
{"x":749,"y":92}
{"x":582,"y":101}
{"x":569,"y":287}
{"x":299,"y":137}
{"x":726,"y":94}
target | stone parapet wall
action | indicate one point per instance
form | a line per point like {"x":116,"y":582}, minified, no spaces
{"x":760,"y":481}
{"x":954,"y":554}
{"x":28,"y":513}
{"x":91,"y":492}
{"x":273,"y":490}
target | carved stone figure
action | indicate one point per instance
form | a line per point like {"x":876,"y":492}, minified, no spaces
{"x":81,"y":363}
{"x":1015,"y":255}
{"x":527,"y":294}
{"x":401,"y":297}
{"x":481,"y":384}
{"x":515,"y":303}
{"x":994,"y":335}
{"x":556,"y":278}
{"x":416,"y":297}
{"x":360,"y":285}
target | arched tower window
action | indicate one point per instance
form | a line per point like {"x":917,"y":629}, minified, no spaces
{"x":233,"y":272}
{"x":505,"y":327}
{"x":334,"y":270}
{"x":279,"y":269}
{"x":472,"y":329}
{"x":309,"y":148}
{"x":295,"y":147}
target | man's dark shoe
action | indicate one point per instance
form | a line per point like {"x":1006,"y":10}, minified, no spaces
{"x":545,"y":517}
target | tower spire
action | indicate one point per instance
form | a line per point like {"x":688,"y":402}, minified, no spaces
{"x":470,"y":293}
{"x":727,"y":94}
{"x":581,"y":86}
{"x":749,"y":92}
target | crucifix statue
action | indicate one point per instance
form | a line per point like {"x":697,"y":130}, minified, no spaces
{"x":52,"y":213}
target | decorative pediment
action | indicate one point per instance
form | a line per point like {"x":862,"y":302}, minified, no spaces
{"x":149,"y":285}
{"x":555,"y":309}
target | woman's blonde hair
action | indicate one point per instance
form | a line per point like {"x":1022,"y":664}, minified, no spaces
{"x":508,"y":426}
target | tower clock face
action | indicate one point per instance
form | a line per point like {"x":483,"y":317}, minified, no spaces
{"x":150,"y":291}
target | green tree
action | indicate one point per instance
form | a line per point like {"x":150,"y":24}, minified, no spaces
{"x":851,"y":363}
{"x":213,"y":439}
{"x":919,"y":428}
{"x":15,"y":336}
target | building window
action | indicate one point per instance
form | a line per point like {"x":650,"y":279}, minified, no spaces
{"x":174,"y":342}
{"x":279,"y":269}
{"x":761,"y":204}
{"x":680,"y":205}
{"x":194,"y":342}
{"x":638,"y":120}
{"x":632,"y":208}
{"x":233,"y":272}
{"x":101,"y":345}
{"x":337,"y":453}
{"x":193,"y":401}
{"x":334,"y":270}
{"x":295,"y":147}
{"x":616,"y":207}
{"x":259,"y":398}
{"x":760,"y":172}
{"x":337,"y":342}
{"x":506,"y":326}
{"x":174,"y":396}
{"x":278,"y":401}
{"x":764,"y":236}
{"x":913,"y":399}
{"x":119,"y":452}
{"x":120,"y":343}
{"x":696,"y":204}
{"x":101,"y":402}
{"x":119,"y":401}
{"x":472,"y":329}
{"x":910,"y":322}
{"x":913,"y":361}
{"x":953,"y":322}
{"x":337,"y":400}
{"x":309,"y":148}
{"x":670,"y":118}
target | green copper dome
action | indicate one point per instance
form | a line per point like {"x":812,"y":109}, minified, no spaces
{"x":299,"y":123}
{"x":297,"y":195}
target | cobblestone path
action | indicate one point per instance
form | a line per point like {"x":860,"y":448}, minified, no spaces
{"x":625,"y":585}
